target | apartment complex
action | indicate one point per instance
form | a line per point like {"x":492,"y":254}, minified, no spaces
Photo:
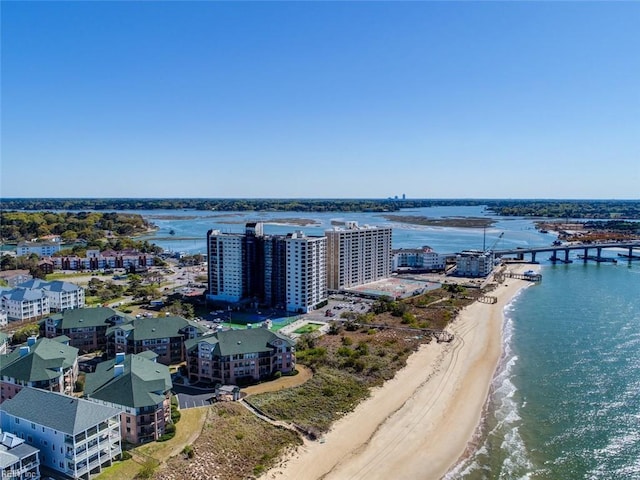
{"x":95,"y":259}
{"x":62,"y":295}
{"x":357,"y":255}
{"x":418,"y":259}
{"x":85,"y":327}
{"x":165,"y":336}
{"x":474,"y":263}
{"x":18,"y":461}
{"x":76,"y":437}
{"x":235,"y":355}
{"x":265,"y":269}
{"x":42,"y":249}
{"x":49,"y":364}
{"x":137,"y":386}
{"x":23,"y":303}
{"x":306,"y":274}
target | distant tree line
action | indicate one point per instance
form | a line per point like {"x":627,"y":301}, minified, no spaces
{"x":600,"y":209}
{"x":89,"y":226}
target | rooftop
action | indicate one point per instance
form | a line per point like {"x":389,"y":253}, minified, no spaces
{"x":42,"y":361}
{"x":57,"y":411}
{"x":238,"y":342}
{"x":142,"y":383}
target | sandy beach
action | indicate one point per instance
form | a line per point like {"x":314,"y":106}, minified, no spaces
{"x":417,"y":425}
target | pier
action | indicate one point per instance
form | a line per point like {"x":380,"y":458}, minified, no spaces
{"x":531,"y":277}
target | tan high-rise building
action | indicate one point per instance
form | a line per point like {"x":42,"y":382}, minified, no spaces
{"x":357,"y":255}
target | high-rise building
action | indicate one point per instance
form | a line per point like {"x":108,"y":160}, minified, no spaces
{"x":257,"y":268}
{"x":357,"y":255}
{"x":225,"y":254}
{"x":306,"y":271}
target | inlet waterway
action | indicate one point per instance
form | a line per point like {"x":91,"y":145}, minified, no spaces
{"x":565,"y":401}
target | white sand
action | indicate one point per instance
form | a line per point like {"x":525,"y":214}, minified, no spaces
{"x":417,"y":425}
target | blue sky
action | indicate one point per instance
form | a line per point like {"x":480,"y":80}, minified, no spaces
{"x":321,"y":99}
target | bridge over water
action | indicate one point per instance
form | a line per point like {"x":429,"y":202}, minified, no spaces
{"x":584,"y":247}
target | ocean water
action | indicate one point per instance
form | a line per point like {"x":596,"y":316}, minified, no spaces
{"x":565,"y":401}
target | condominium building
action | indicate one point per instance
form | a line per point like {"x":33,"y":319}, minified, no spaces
{"x":137,"y":386}
{"x":49,"y":364}
{"x":239,"y":355}
{"x":42,"y":249}
{"x":474,"y":264}
{"x":24,"y":304}
{"x":357,"y":255}
{"x":266,"y":269}
{"x":164,"y":336}
{"x":15,"y":277}
{"x":226,"y":257}
{"x":418,"y":259}
{"x":306,"y":274}
{"x":62,"y":295}
{"x":85,"y":327}
{"x":95,"y":260}
{"x":18,"y":460}
{"x":76,"y":437}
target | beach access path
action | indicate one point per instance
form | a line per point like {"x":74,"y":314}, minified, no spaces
{"x":418,"y":424}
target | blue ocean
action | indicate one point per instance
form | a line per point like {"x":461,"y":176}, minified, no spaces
{"x":565,"y":401}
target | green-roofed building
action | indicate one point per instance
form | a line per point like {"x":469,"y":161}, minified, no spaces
{"x":137,"y":386}
{"x":163,"y":335}
{"x":77,"y":438}
{"x":233,"y":356}
{"x":46,"y":363}
{"x":85,"y":327}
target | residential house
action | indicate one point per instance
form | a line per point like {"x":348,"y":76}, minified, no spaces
{"x":62,"y":295}
{"x":163,"y":335}
{"x":233,"y":356}
{"x":85,"y":327}
{"x":49,"y":364}
{"x":18,"y":460}
{"x":137,"y":386}
{"x":76,"y":437}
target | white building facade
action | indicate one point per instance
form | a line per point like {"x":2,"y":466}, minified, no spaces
{"x":225,"y":267}
{"x":357,"y":255}
{"x":42,"y":249}
{"x":474,"y":264}
{"x":76,"y":437}
{"x":24,"y":304}
{"x":306,"y":272}
{"x":62,"y":295}
{"x":418,"y":259}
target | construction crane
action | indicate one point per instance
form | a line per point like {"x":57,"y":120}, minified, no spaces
{"x":496,"y":242}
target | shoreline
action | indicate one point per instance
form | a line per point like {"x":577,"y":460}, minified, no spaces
{"x":421,"y":423}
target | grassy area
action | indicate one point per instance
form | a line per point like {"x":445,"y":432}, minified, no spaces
{"x":308,"y":328}
{"x":234,"y":445}
{"x":357,"y":356}
{"x":187,"y":430}
{"x":63,"y":276}
{"x":329,"y":395}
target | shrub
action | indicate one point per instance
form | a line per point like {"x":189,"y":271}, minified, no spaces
{"x":78,"y":386}
{"x":277,"y":374}
{"x":175,"y":414}
{"x":125,"y":455}
{"x":347,"y":341}
{"x":189,"y":451}
{"x":147,"y":470}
